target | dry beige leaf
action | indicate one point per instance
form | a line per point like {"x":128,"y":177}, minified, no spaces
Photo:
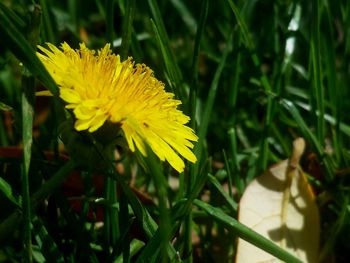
{"x":280,"y":205}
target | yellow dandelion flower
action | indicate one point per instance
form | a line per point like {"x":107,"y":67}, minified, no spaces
{"x":99,"y":87}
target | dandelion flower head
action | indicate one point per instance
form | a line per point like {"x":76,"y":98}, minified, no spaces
{"x":99,"y":87}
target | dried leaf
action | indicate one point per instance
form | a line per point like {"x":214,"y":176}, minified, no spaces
{"x":280,"y":205}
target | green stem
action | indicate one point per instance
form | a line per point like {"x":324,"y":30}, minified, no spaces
{"x":111,"y":226}
{"x":161,"y":186}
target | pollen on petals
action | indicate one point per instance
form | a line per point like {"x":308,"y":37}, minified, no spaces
{"x":99,"y":87}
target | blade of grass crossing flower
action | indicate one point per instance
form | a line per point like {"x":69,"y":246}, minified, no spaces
{"x":318,"y":91}
{"x":245,"y":233}
{"x":171,"y":65}
{"x":20,"y":47}
{"x":127,"y":29}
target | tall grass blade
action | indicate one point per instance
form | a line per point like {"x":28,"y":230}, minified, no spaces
{"x":318,"y":90}
{"x":248,"y":42}
{"x":109,"y":13}
{"x":20,"y":47}
{"x":228,"y":199}
{"x":171,"y":65}
{"x":48,"y":31}
{"x":161,"y":186}
{"x":28,"y":98}
{"x":202,"y":131}
{"x":246,"y":233}
{"x":127,"y":28}
{"x":310,"y":137}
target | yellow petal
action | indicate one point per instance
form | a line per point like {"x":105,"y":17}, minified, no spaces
{"x":70,"y":95}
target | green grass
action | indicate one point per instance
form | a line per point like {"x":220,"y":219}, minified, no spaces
{"x":252,"y":75}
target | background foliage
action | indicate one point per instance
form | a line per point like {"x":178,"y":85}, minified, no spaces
{"x":253,"y":75}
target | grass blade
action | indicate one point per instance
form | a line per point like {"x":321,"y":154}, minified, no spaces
{"x":232,"y":205}
{"x":202,"y":131}
{"x":48,"y":28}
{"x":318,"y":90}
{"x":127,"y":28}
{"x":310,"y":137}
{"x":195,"y":64}
{"x":47,"y":245}
{"x":248,"y":41}
{"x":6,"y":189}
{"x":171,"y":65}
{"x":8,"y":225}
{"x":162,"y":194}
{"x":245,"y":233}
{"x":28,"y":98}
{"x":109,"y":12}
{"x":23,"y":51}
{"x":27,"y":124}
{"x":135,"y":247}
